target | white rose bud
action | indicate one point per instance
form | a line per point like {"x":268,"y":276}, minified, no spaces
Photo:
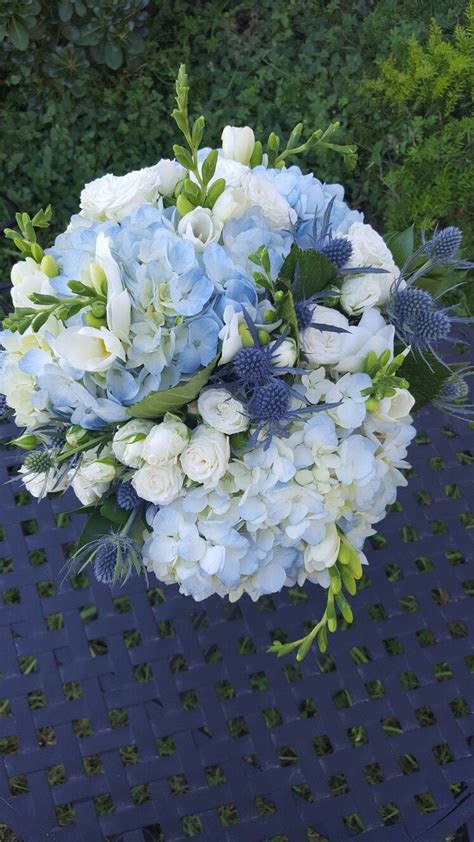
{"x":92,"y":479}
{"x":238,"y":143}
{"x":165,"y":441}
{"x":159,"y":484}
{"x":206,"y":457}
{"x":128,"y":442}
{"x":231,"y":204}
{"x":221,"y":411}
{"x":286,"y":353}
{"x":201,"y":227}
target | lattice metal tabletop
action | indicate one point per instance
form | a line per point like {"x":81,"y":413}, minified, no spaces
{"x":139,"y":715}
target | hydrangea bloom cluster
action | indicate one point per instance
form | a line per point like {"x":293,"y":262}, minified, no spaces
{"x":207,"y":356}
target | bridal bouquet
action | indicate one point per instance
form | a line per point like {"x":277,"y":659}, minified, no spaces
{"x":221,"y":359}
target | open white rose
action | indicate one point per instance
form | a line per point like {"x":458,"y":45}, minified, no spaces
{"x":324,"y":347}
{"x":362,"y":291}
{"x":206,"y":457}
{"x":165,"y":441}
{"x":159,"y":484}
{"x":201,"y":227}
{"x":231,"y":204}
{"x":93,"y":477}
{"x":264,"y":195}
{"x":128,"y":442}
{"x":115,"y":197}
{"x":118,"y":300}
{"x":238,"y":143}
{"x":321,"y":556}
{"x":89,"y":348}
{"x":28,"y":278}
{"x":221,"y":411}
{"x":371,"y":334}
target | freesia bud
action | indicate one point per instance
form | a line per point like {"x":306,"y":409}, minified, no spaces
{"x":238,"y":143}
{"x":99,"y":281}
{"x":49,"y":266}
{"x":26,"y":441}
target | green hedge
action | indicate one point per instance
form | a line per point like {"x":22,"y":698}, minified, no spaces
{"x":87,"y":88}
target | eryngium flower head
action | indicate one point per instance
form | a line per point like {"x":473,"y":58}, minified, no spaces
{"x":447,"y":242}
{"x":38,"y":462}
{"x":416,"y":320}
{"x":337,"y":250}
{"x":252,"y":367}
{"x":127,"y":497}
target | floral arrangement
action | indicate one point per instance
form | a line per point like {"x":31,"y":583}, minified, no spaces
{"x":221,"y":359}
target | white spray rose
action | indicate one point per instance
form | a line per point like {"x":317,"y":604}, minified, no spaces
{"x":367,"y":290}
{"x":115,"y":197}
{"x":206,"y":457}
{"x":264,"y":195}
{"x":159,"y":484}
{"x":222,"y":412}
{"x":232,"y":172}
{"x":231,"y":204}
{"x":165,"y":441}
{"x":93,"y":477}
{"x":324,"y":347}
{"x":128,"y":442}
{"x":286,"y":353}
{"x":323,"y":555}
{"x":89,"y":348}
{"x":201,"y":227}
{"x":238,"y":143}
{"x":371,"y":334}
{"x":28,"y":278}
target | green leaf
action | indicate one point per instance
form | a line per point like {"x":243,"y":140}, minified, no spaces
{"x":111,"y":512}
{"x":94,"y":527}
{"x":402,"y":245}
{"x":209,"y":166}
{"x":425,"y":380}
{"x":156,"y":404}
{"x":19,"y":36}
{"x":286,"y":310}
{"x":314,"y":273}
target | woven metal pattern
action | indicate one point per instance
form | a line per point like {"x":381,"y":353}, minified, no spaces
{"x":139,"y":715}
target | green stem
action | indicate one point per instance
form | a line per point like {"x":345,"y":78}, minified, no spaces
{"x":86,"y":446}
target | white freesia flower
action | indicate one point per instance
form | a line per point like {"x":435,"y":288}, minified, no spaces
{"x":362,"y":291}
{"x":264,"y":195}
{"x":238,"y":143}
{"x":286,"y":353}
{"x":89,"y":348}
{"x":118,"y":300}
{"x":165,"y":441}
{"x":93,"y":477}
{"x":27,"y":278}
{"x":159,"y":484}
{"x":325,"y":347}
{"x":229,"y":334}
{"x":206,"y":457}
{"x":321,"y":556}
{"x":115,"y":197}
{"x":221,"y":411}
{"x":231,"y":204}
{"x":395,"y":409}
{"x":129,"y":440}
{"x":371,"y":334}
{"x":201,"y":227}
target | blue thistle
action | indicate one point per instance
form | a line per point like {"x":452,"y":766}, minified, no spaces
{"x":252,"y":366}
{"x":454,"y":394}
{"x":304,"y":314}
{"x":38,"y":462}
{"x":270,"y":402}
{"x":447,"y":242}
{"x":105,"y":563}
{"x":338,"y":250}
{"x":4,"y":408}
{"x":416,"y":320}
{"x":127,"y":497}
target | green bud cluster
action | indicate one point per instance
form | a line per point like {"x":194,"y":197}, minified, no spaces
{"x":320,"y":137}
{"x":24,"y":237}
{"x":62,"y":308}
{"x":384,"y":377}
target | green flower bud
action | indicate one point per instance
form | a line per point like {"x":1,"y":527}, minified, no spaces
{"x":98,"y":309}
{"x":49,"y":266}
{"x":269,"y":316}
{"x":245,"y":336}
{"x":264,"y":337}
{"x":371,"y":405}
{"x":27,"y":441}
{"x":279,"y":295}
{"x":76,"y":435}
{"x":99,"y":281}
{"x":183,"y":205}
{"x":37,"y":252}
{"x":93,"y":321}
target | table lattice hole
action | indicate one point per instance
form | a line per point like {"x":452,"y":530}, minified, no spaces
{"x":312,"y":835}
{"x":98,"y":647}
{"x":425,"y":637}
{"x":200,"y":620}
{"x":297,"y":595}
{"x":307,"y":709}
{"x":443,"y":754}
{"x":359,"y":654}
{"x":303,"y":791}
{"x":56,"y":774}
{"x":377,"y":612}
{"x":459,"y":707}
{"x":409,"y":680}
{"x":408,"y":764}
{"x":378,"y":541}
{"x":72,"y":690}
{"x":279,"y":838}
{"x":232,"y":611}
{"x":409,"y":473}
{"x":166,"y":628}
{"x":88,"y":613}
{"x":266,"y":604}
{"x":322,"y":745}
{"x":36,"y":699}
{"x":391,"y":726}
{"x":457,"y":629}
{"x":9,"y":745}
{"x":264,"y":806}
{"x":237,"y":727}
{"x":425,"y":716}
{"x":395,"y":507}
{"x":409,"y":534}
{"x":189,"y":700}
{"x":442,"y":671}
{"x":178,"y":663}
{"x":357,"y":736}
{"x":422,"y":437}
{"x":425,"y":802}
{"x":132,"y":638}
{"x":272,"y":717}
{"x":225,"y":690}
{"x":292,"y":673}
{"x":122,"y":604}
{"x":118,"y":717}
{"x":103,"y":804}
{"x":448,"y":433}
{"x":30,"y":526}
{"x":258,"y":681}
{"x":37,"y":557}
{"x":469,"y":661}
{"x":252,"y":760}
{"x":191,"y":825}
{"x":55,"y":621}
{"x":46,"y":736}
{"x":27,"y":664}
{"x":394,"y":572}
{"x":228,"y":814}
{"x":424,"y":564}
{"x":212,"y":654}
{"x":326,"y":663}
{"x":156,"y":596}
{"x":178,"y":784}
{"x":439,"y":527}
{"x":129,"y":755}
{"x":62,"y":519}
{"x":152,"y":833}
{"x":341,"y":699}
{"x":46,"y":588}
{"x":338,"y":784}
{"x":468,"y":586}
{"x":11,"y":596}
{"x":82,"y":728}
{"x":5,"y":708}
{"x":246,"y":646}
{"x":389,"y":813}
{"x":467,"y":520}
{"x":215,"y":776}
{"x":165,"y":746}
{"x":354,"y":822}
{"x":6,"y":565}
{"x":65,"y":814}
{"x":142,"y":673}
{"x":465,"y":457}
{"x":92,"y":765}
{"x":455,"y":557}
{"x":375,"y":689}
{"x":18,"y":785}
{"x":456,"y":790}
{"x":373,"y":773}
{"x":452,"y":491}
{"x":436,"y":463}
{"x":408,"y":603}
{"x":423,"y":498}
{"x":287,"y":756}
{"x":393,"y":646}
{"x":79,"y":581}
{"x":140,"y":794}
{"x":22,"y":498}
